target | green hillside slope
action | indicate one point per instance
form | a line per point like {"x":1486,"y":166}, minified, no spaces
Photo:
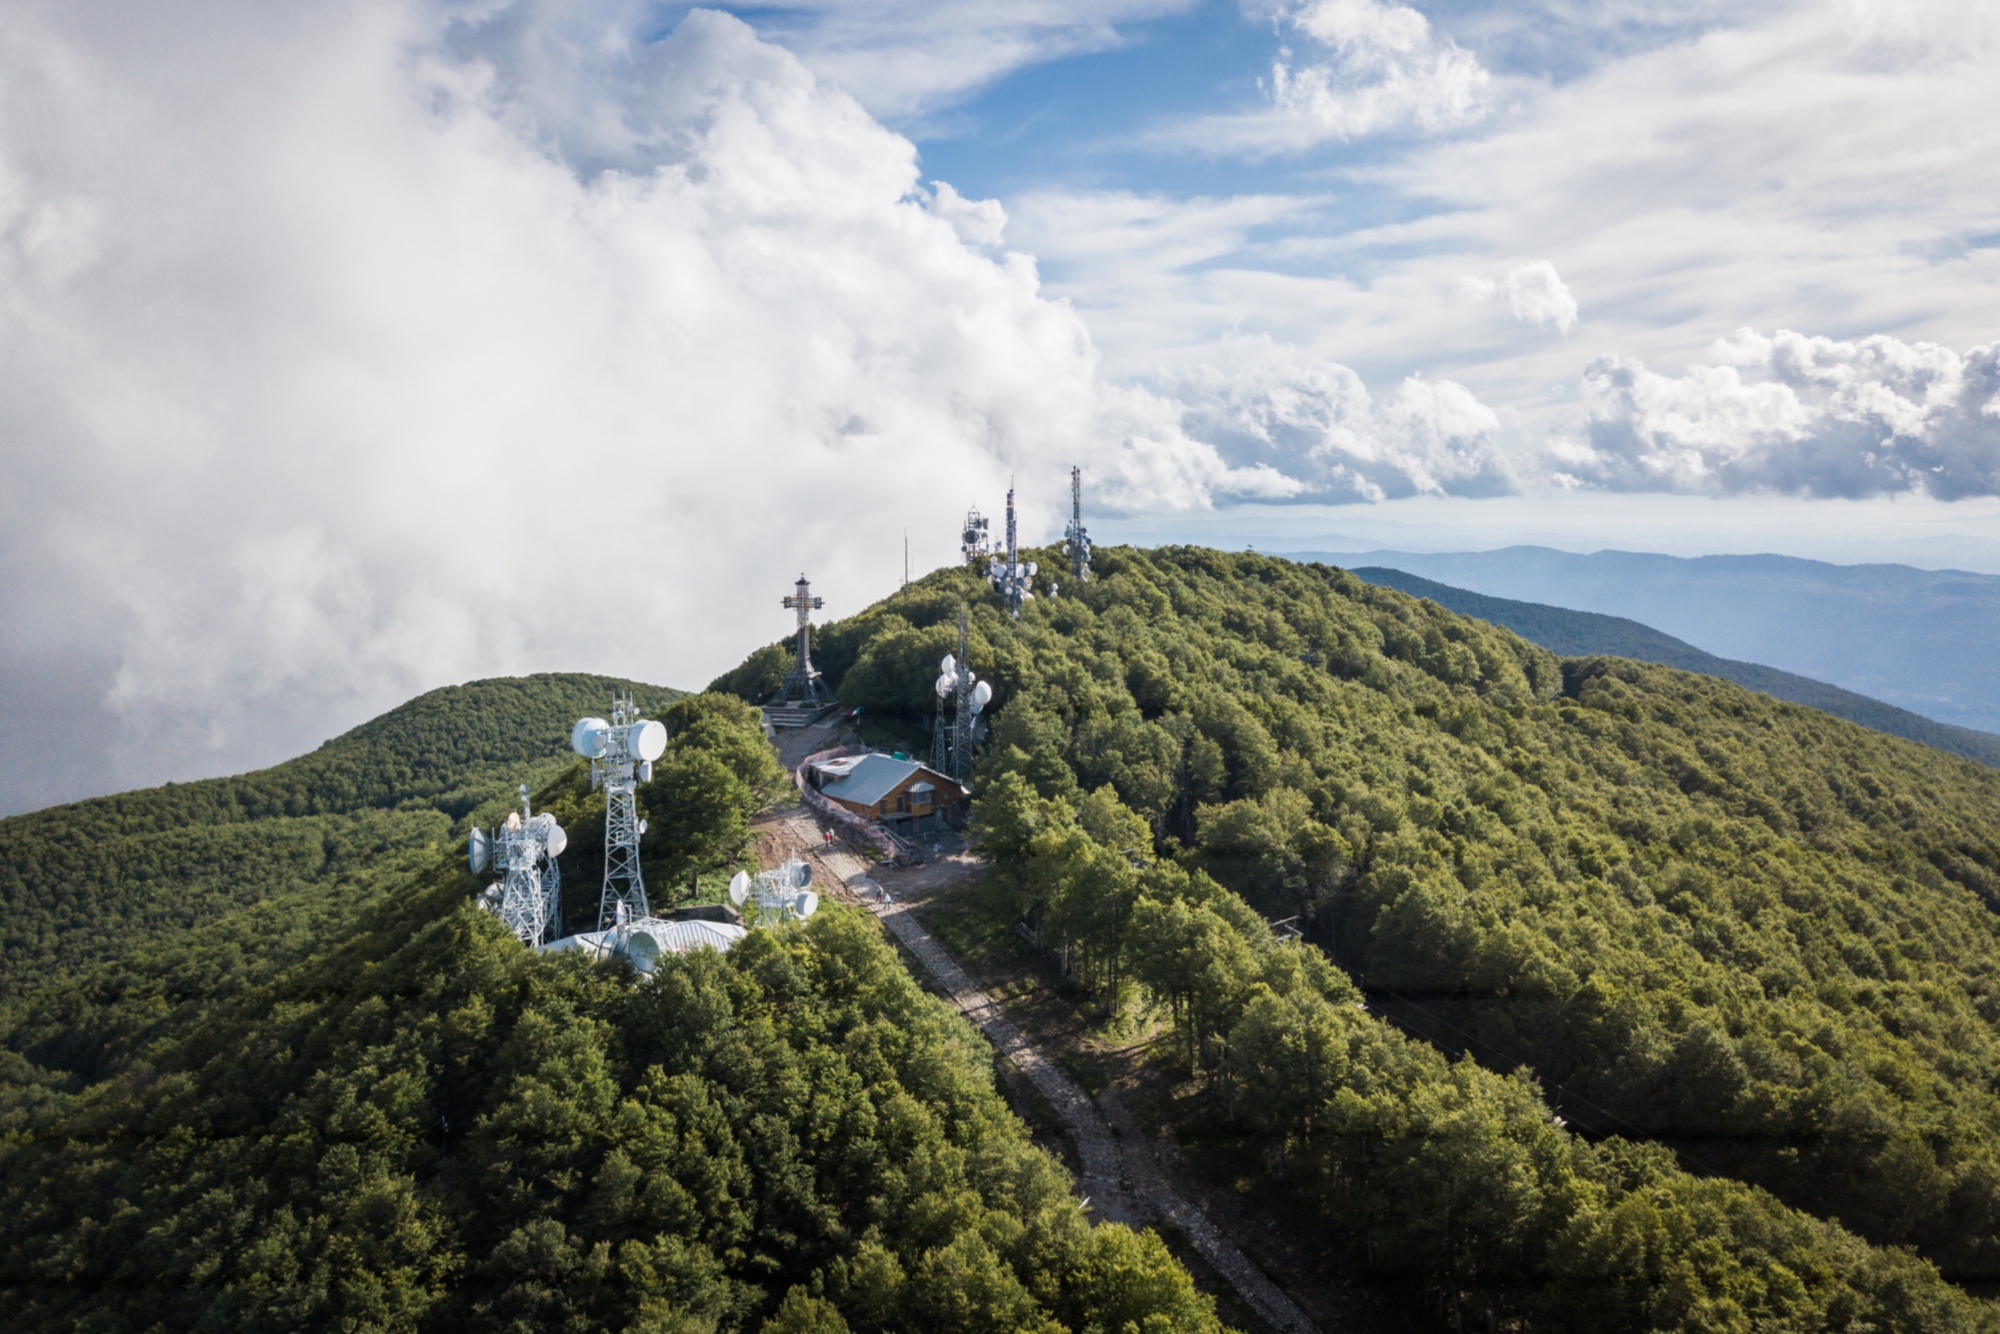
{"x":408,"y":1122}
{"x":116,"y":874}
{"x":1582,"y":634}
{"x":1759,"y":932}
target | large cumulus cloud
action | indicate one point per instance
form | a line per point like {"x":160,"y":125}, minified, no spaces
{"x":1315,"y":420}
{"x":1796,"y":415}
{"x":347,"y":349}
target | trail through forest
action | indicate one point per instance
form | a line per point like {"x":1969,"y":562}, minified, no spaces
{"x":1121,"y":1177}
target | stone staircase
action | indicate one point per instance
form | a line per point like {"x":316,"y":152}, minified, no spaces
{"x":785,"y":716}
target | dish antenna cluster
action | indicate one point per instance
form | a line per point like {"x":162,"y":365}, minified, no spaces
{"x":962,"y":697}
{"x":1011,"y":576}
{"x":975,"y":543}
{"x":621,"y":754}
{"x":776,"y":896}
{"x":523,"y":850}
{"x":803,"y":682}
{"x":1075,"y":540}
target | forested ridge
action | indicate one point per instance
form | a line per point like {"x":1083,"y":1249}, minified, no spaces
{"x":1709,"y":924}
{"x":101,"y":878}
{"x":401,"y":1119}
{"x":1590,"y":634}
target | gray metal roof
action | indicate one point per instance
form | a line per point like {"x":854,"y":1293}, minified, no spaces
{"x":871,"y":780}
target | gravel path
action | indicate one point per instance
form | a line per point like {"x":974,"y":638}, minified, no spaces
{"x":1120,"y":1169}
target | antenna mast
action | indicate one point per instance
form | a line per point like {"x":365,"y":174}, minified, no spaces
{"x":1076,"y":539}
{"x":624,"y":896}
{"x":804,"y":682}
{"x":621,"y":754}
{"x":974,"y":543}
{"x":952,"y":737}
{"x":528,"y":895}
{"x":1012,"y":576}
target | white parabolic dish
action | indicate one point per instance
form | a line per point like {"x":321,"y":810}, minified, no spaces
{"x":739,"y":888}
{"x":646,"y":740}
{"x":587,"y":737}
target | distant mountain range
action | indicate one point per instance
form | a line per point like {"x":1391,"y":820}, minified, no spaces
{"x":1927,"y":641}
{"x":1579,"y":634}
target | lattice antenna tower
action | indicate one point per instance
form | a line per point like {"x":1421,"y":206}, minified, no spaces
{"x":975,"y":541}
{"x":777,"y":895}
{"x":1075,"y":538}
{"x":621,"y":754}
{"x":1011,"y":576}
{"x":804,"y":682}
{"x":962,"y":696}
{"x":523,"y":850}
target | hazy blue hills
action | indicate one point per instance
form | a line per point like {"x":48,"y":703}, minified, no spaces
{"x":1923,"y":640}
{"x":1582,"y":634}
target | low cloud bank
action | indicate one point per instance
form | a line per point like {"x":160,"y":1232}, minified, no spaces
{"x":1796,"y":415}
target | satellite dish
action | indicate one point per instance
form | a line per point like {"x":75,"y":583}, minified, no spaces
{"x":642,"y":826}
{"x":804,"y":875}
{"x":806,"y":904}
{"x":739,"y":888}
{"x":944,"y":684}
{"x":478,"y":850}
{"x":646,"y":772}
{"x":981,"y":694}
{"x":646,"y":740}
{"x":642,"y":950}
{"x":554,"y":840}
{"x":949,"y":666}
{"x":588,"y":736}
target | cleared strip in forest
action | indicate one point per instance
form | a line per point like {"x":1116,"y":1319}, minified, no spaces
{"x":1117,"y":1171}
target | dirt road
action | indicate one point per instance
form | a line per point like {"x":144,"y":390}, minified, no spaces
{"x":1121,"y":1178}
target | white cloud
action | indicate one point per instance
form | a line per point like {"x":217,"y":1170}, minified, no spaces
{"x":980,"y":222}
{"x":342,"y":355}
{"x":1315,"y":420}
{"x":1535,"y":294}
{"x":1795,"y":415}
{"x":1371,"y":67}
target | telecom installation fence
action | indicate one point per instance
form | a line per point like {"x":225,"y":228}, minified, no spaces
{"x":852,"y":825}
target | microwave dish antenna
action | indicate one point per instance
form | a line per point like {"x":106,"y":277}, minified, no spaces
{"x":523,"y":850}
{"x":975,"y":539}
{"x":780,"y":894}
{"x":621,"y":752}
{"x":961,"y":697}
{"x":739,"y":888}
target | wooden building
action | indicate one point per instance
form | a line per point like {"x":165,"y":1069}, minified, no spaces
{"x":905,"y":797}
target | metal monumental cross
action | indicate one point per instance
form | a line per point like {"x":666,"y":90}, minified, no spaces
{"x":803,"y":681}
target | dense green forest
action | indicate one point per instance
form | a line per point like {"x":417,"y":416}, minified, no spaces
{"x":1756,"y":936}
{"x":1582,"y":634}
{"x":406,"y":1121}
{"x":102,"y":878}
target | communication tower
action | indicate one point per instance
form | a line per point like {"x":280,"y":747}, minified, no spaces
{"x":621,"y":754}
{"x":1011,"y":576}
{"x":1075,"y":539}
{"x":523,"y":850}
{"x":778,"y":895}
{"x":804,"y":682}
{"x":975,"y":543}
{"x":962,"y":697}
